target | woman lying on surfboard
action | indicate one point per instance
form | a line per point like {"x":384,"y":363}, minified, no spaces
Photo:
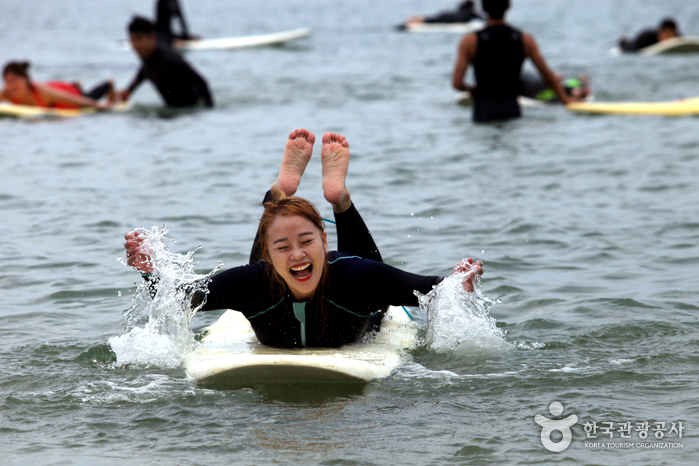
{"x":19,"y":89}
{"x":294,"y":292}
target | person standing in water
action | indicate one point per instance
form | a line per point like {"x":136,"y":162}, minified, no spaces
{"x":165,"y":12}
{"x":667,"y":30}
{"x":178,"y":83}
{"x":295,"y":293}
{"x":497,"y":53}
{"x":21,"y":90}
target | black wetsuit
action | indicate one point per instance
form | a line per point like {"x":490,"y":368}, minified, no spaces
{"x":497,"y":66}
{"x":165,"y":11}
{"x":644,"y":39}
{"x":460,"y":16}
{"x":175,"y":79}
{"x":355,"y":294}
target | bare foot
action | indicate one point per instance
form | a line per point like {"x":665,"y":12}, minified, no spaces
{"x":335,"y":159}
{"x":297,"y":153}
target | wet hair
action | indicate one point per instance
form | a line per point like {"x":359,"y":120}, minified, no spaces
{"x":141,"y":25}
{"x":668,"y":23}
{"x":496,"y":8}
{"x":20,"y":68}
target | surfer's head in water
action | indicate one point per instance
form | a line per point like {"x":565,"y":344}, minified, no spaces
{"x":667,"y":30}
{"x":293,"y":239}
{"x":143,"y":36}
{"x":496,"y":8}
{"x":17,"y":81}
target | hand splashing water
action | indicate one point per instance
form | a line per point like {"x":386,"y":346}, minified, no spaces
{"x":459,"y":322}
{"x":166,"y":337}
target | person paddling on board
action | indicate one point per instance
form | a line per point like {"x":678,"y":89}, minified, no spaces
{"x":497,"y":53}
{"x":534,"y":87}
{"x":176,"y":81}
{"x":165,"y":12}
{"x":294,"y":292}
{"x":465,"y":13}
{"x":667,"y":30}
{"x":21,"y":90}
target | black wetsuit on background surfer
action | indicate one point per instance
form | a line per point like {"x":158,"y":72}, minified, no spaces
{"x":497,"y":53}
{"x":165,"y":12}
{"x":177,"y":82}
{"x":667,"y":30}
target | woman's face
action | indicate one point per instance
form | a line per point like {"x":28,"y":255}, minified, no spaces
{"x":15,"y":85}
{"x":297,"y":250}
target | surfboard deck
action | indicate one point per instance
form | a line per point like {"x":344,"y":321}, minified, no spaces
{"x":230,"y":356}
{"x":455,"y":28}
{"x":258,"y":40}
{"x":682,"y":107}
{"x":30,"y":111}
{"x":682,"y":44}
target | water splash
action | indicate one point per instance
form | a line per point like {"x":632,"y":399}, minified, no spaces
{"x":459,"y":322}
{"x":166,"y":336}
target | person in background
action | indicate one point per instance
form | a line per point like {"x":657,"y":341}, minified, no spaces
{"x":165,"y":12}
{"x":667,"y":30}
{"x":497,"y":53}
{"x":465,"y":13}
{"x":21,"y":90}
{"x":534,"y":87}
{"x":177,"y":82}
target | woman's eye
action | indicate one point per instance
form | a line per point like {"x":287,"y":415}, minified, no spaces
{"x":282,"y":248}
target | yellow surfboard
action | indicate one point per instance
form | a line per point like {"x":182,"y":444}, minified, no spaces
{"x":682,"y":107}
{"x":30,"y":111}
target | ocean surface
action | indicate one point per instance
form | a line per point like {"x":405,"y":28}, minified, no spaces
{"x":588,"y":227}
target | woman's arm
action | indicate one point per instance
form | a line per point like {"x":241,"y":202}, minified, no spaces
{"x":53,"y":96}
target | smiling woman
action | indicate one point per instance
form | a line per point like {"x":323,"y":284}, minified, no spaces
{"x":293,"y":292}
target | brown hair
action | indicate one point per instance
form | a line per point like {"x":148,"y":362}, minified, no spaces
{"x":20,"y":68}
{"x":281,"y":204}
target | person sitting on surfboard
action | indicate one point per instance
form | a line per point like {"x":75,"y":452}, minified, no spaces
{"x":294,"y":292}
{"x":465,"y":13}
{"x":165,"y":12}
{"x":176,"y":81}
{"x":21,"y":90}
{"x":534,"y":87}
{"x":497,"y":53}
{"x":667,"y":30}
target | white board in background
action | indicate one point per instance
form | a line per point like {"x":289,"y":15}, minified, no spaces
{"x":230,"y":356}
{"x":258,"y":40}
{"x":456,"y":28}
{"x":32,"y":111}
{"x":682,"y":44}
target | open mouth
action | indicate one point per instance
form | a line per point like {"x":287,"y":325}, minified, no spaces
{"x":302,"y":272}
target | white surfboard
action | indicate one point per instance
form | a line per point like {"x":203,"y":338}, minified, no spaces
{"x":230,"y":356}
{"x":466,"y":99}
{"x":258,"y":40}
{"x":31,"y":111}
{"x":455,"y":28}
{"x":682,"y":44}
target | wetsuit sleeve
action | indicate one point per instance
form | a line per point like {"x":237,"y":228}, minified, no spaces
{"x":237,"y":288}
{"x":137,"y":80}
{"x":383,"y":284}
{"x":353,"y":236}
{"x":643,"y":40}
{"x":177,"y":11}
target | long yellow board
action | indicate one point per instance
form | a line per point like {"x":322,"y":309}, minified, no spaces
{"x":682,"y":107}
{"x":30,"y":111}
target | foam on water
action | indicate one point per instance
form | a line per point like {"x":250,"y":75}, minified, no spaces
{"x":459,"y":322}
{"x":166,"y":337}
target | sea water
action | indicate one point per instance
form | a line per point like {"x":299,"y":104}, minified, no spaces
{"x":586,"y":225}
